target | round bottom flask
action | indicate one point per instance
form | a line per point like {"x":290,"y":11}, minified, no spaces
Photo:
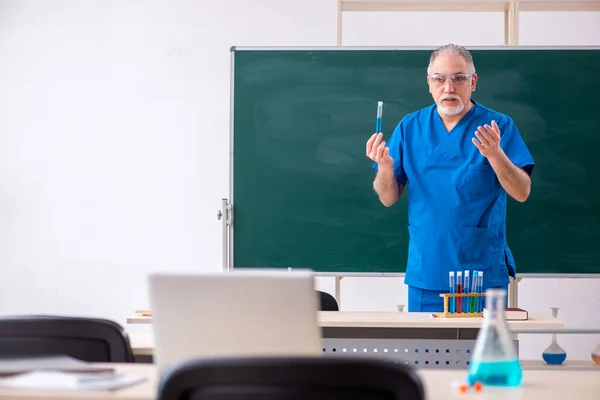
{"x":596,"y":355}
{"x":554,"y":354}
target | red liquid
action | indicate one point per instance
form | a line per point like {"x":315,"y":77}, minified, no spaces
{"x":458,"y":299}
{"x":596,"y":358}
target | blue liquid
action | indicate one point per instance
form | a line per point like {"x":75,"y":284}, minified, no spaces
{"x":378,"y":125}
{"x":499,"y":373}
{"x":554,"y":358}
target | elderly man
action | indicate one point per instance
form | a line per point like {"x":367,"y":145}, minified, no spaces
{"x":458,"y":160}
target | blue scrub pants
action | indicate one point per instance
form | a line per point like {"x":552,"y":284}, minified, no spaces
{"x":423,"y":300}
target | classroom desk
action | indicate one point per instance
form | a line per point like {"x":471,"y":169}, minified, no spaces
{"x":404,"y":320}
{"x":417,"y":338}
{"x":142,"y":344}
{"x":537,"y":385}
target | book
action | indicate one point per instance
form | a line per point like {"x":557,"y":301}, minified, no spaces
{"x":513,"y":314}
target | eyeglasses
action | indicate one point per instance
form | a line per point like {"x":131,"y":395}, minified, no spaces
{"x":456,"y":79}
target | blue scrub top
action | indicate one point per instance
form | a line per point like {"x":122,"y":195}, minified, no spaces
{"x":456,"y":205}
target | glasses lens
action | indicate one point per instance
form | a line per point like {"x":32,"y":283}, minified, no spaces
{"x":458,"y":79}
{"x":438,"y":79}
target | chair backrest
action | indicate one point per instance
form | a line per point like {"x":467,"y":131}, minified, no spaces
{"x":87,"y":339}
{"x":328,"y":302}
{"x":315,"y":378}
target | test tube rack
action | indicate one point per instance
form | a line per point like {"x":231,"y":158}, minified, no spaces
{"x":448,"y":314}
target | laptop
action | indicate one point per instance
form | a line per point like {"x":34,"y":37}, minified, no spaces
{"x":237,"y":313}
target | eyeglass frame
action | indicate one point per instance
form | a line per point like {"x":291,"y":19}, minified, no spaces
{"x":467,"y":77}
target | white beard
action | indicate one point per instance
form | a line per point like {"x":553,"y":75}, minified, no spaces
{"x":451,"y":110}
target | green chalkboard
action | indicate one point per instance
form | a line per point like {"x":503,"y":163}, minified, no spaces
{"x":302,"y":185}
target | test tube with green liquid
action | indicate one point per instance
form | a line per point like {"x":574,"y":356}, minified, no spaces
{"x":473,"y":290}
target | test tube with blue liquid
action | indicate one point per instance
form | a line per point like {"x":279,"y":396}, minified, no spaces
{"x":452,"y":290}
{"x":466,"y":289}
{"x":379,"y":117}
{"x":480,"y":290}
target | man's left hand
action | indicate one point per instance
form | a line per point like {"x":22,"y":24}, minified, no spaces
{"x":489,"y":140}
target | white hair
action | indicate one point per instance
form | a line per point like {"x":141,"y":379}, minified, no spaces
{"x":452,"y":50}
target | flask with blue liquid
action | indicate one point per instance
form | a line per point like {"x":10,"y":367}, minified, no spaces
{"x":554,"y":354}
{"x":494,"y":361}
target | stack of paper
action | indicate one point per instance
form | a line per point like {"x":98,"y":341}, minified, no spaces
{"x":60,"y":372}
{"x":18,"y":364}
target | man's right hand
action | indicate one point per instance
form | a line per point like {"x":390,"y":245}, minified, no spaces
{"x":378,"y":152}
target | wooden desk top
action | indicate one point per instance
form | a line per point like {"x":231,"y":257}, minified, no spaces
{"x":351,"y":319}
{"x":537,"y":385}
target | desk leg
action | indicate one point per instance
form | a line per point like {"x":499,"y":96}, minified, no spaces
{"x":338,"y":280}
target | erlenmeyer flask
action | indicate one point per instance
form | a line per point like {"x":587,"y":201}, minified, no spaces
{"x":494,"y":361}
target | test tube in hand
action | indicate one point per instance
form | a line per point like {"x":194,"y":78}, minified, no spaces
{"x":379,"y":117}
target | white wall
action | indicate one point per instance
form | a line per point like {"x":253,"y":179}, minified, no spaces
{"x":114,"y":143}
{"x":422,"y":28}
{"x":114,"y":140}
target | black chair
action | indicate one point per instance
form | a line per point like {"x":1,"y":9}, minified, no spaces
{"x":295,"y":378}
{"x":87,"y":339}
{"x":328,"y":302}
